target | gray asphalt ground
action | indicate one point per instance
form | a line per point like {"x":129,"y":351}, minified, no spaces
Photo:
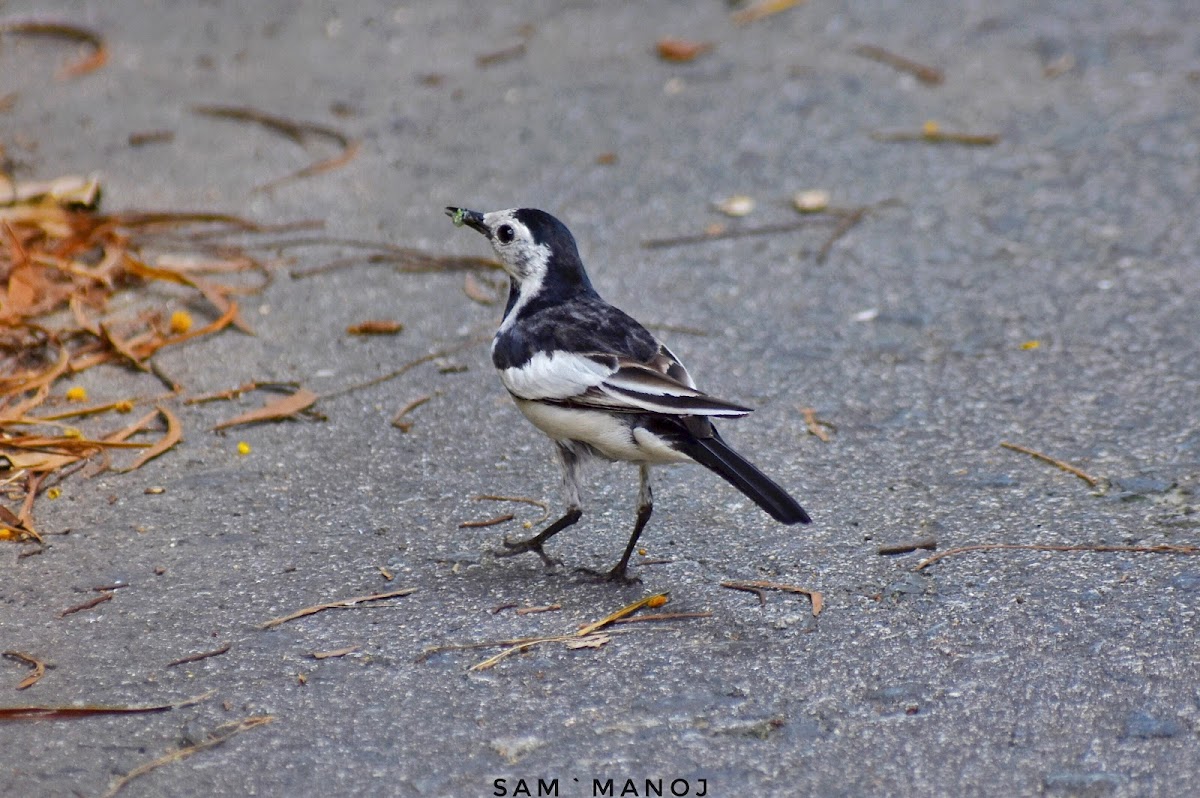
{"x":1011,"y":672}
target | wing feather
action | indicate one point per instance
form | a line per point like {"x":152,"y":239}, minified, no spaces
{"x":616,"y":384}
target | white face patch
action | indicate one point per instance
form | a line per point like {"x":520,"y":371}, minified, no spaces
{"x":523,"y":258}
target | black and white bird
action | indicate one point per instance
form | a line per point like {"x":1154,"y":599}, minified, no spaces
{"x":596,"y":381}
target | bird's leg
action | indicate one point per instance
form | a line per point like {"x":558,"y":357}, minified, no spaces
{"x":645,"y":508}
{"x":570,"y":466}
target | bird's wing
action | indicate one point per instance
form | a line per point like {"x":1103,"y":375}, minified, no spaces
{"x":613,"y":383}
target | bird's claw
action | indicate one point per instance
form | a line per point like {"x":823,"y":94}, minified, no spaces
{"x":514,"y":547}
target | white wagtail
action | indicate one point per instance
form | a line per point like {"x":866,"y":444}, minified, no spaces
{"x":597,"y":382}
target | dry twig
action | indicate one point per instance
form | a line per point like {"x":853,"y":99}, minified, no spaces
{"x":740,"y":232}
{"x":203,"y":655}
{"x":61,"y":30}
{"x":543,"y":506}
{"x":932,"y":133}
{"x":926,"y":74}
{"x":758,"y":585}
{"x":398,"y":420}
{"x":26,"y":712}
{"x":298,"y":132}
{"x":499,"y":519}
{"x":1084,"y":547}
{"x":848,"y":221}
{"x":334,"y":654}
{"x":407,"y":367}
{"x":86,"y":605}
{"x":907,"y":546}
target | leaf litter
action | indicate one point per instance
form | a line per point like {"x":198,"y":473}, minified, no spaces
{"x":80,"y":288}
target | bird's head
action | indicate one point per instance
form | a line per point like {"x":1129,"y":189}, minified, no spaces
{"x":535,"y":249}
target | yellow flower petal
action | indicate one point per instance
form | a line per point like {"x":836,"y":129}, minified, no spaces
{"x":181,"y":321}
{"x":77,"y":394}
{"x":243,"y":447}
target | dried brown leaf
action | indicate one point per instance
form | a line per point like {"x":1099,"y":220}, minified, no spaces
{"x":39,"y":668}
{"x":375,"y":327}
{"x":171,"y":437}
{"x":275,"y":410}
{"x":681,"y":50}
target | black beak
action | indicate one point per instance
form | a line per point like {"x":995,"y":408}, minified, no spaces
{"x":472,"y":219}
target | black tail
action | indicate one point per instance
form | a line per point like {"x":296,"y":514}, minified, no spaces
{"x":712,"y":453}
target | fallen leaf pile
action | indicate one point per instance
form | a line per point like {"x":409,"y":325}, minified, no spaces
{"x":79,"y":288}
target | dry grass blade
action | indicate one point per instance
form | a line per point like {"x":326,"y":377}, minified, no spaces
{"x":663,"y":616}
{"x":574,"y":641}
{"x":1082,"y":547}
{"x":333,"y":605}
{"x":88,"y":710}
{"x":275,"y":410}
{"x":1054,"y":461}
{"x":657,"y":600}
{"x":761,"y":10}
{"x":61,"y":30}
{"x":335,"y":653}
{"x":218,"y":736}
{"x":39,"y":668}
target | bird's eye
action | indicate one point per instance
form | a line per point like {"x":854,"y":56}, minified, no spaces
{"x":505,"y":233}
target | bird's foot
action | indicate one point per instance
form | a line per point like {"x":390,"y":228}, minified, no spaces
{"x":514,"y":547}
{"x":618,"y":575}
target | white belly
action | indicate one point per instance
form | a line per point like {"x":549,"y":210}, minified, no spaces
{"x":602,"y":431}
